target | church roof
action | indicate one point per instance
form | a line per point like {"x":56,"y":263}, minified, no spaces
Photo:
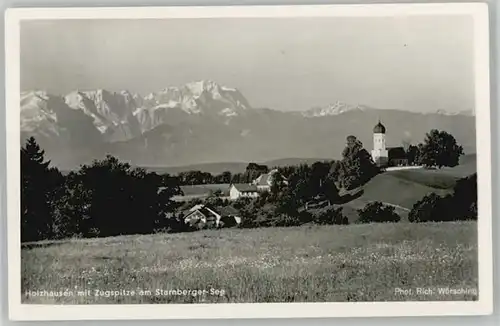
{"x":379,"y":128}
{"x":396,"y":153}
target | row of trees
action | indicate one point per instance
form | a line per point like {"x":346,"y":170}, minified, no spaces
{"x":105,"y":198}
{"x":197,"y":177}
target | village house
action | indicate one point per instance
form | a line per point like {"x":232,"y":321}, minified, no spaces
{"x":243,"y":190}
{"x":204,"y":216}
{"x":263,"y":183}
{"x":265,"y":180}
{"x":230,"y":216}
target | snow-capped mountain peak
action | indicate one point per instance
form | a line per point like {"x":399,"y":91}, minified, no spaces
{"x":463,"y":112}
{"x":198,"y":97}
{"x":200,"y":86}
{"x":331,"y":109}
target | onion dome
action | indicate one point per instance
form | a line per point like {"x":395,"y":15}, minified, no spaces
{"x":379,"y":129}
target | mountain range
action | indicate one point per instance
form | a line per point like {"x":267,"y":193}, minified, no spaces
{"x":204,"y":122}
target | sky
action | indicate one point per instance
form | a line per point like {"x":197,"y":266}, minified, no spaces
{"x":418,"y":63}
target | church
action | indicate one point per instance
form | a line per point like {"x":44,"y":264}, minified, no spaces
{"x":390,"y":156}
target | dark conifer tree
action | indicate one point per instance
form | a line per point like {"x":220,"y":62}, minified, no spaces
{"x":39,"y":185}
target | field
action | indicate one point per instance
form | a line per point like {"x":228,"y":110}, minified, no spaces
{"x":201,"y":191}
{"x":204,"y":189}
{"x":301,"y":264}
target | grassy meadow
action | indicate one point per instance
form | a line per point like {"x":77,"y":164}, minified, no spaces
{"x":296,"y":264}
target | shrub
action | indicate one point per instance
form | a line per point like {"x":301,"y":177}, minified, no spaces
{"x":251,"y":213}
{"x":431,"y":208}
{"x":330,"y":216}
{"x":377,"y":212}
{"x":461,"y":205}
{"x":465,"y":198}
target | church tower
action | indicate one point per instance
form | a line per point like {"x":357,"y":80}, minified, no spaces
{"x":379,"y":153}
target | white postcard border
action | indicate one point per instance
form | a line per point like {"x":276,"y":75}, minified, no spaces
{"x":18,"y":311}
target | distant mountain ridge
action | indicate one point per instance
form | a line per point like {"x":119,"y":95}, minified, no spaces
{"x":233,"y":167}
{"x":205,"y":122}
{"x":341,"y":107}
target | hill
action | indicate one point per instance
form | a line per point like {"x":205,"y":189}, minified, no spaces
{"x":444,"y":178}
{"x":404,"y":188}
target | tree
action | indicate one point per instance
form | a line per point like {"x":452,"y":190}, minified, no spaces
{"x":253,"y":171}
{"x":214,"y":198}
{"x":226,"y":177}
{"x":71,"y":209}
{"x":412,"y":153}
{"x":237,"y":178}
{"x":319,"y":173}
{"x":113,"y":198}
{"x":440,"y":149}
{"x":277,"y":186}
{"x":195,"y":178}
{"x":431,"y":208}
{"x":39,"y":191}
{"x":377,"y":212}
{"x":357,"y":166}
{"x":329,"y":190}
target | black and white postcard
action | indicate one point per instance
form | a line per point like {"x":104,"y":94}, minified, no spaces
{"x":248,"y":161}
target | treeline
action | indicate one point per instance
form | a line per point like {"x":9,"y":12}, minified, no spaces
{"x":252,"y":171}
{"x":105,"y":198}
{"x":439,"y":149}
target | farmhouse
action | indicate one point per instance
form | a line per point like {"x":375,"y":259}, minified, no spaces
{"x":205,"y":216}
{"x":382,"y":156}
{"x":243,"y":190}
{"x":201,"y":214}
{"x":265,"y":180}
{"x":230,"y":216}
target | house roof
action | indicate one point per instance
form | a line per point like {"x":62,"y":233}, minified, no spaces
{"x":244,"y":187}
{"x":205,"y":210}
{"x":263,"y":179}
{"x":228,"y":211}
{"x":196,"y":207}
